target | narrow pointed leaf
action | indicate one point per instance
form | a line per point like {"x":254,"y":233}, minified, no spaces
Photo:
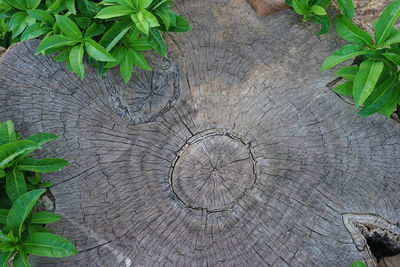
{"x":344,"y":89}
{"x":7,"y":132}
{"x":113,"y":12}
{"x":15,"y":184}
{"x":346,"y":7}
{"x":76,"y":60}
{"x":55,"y":41}
{"x":10,"y":151}
{"x":382,"y":94}
{"x":342,"y":54}
{"x":20,"y":210}
{"x":386,"y":21}
{"x":126,"y":65}
{"x":69,"y":27}
{"x":140,"y":61}
{"x":350,"y":32}
{"x":21,"y":260}
{"x":44,"y":217}
{"x":48,"y":245}
{"x":42,"y":138}
{"x":393,"y":39}
{"x":348,"y":72}
{"x":365,"y":80}
{"x":96,"y":51}
{"x":42,"y":165}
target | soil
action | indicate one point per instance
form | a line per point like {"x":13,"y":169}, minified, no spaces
{"x":368,"y":11}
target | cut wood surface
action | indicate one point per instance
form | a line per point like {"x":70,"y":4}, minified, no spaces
{"x":232,"y":152}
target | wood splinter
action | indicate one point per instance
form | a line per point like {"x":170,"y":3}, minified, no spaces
{"x":265,"y":7}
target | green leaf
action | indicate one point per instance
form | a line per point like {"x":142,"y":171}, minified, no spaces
{"x":15,"y":184}
{"x":5,"y":258}
{"x":55,"y":41}
{"x":83,"y":22}
{"x":325,"y":23}
{"x":126,"y":65}
{"x":32,"y":4}
{"x":342,"y":54}
{"x":150,"y":18}
{"x":323,"y":3}
{"x":20,"y":210}
{"x":163,"y":13}
{"x":44,"y":217}
{"x":114,"y":34}
{"x":63,"y":55}
{"x":7,"y":132}
{"x":365,"y":80}
{"x":386,"y":21}
{"x":94,"y":30}
{"x":34,"y":228}
{"x":34,"y":31}
{"x":393,"y":39}
{"x":48,"y":245}
{"x":2,"y":173}
{"x":180,"y":25}
{"x":18,"y":4}
{"x":156,"y":41}
{"x":350,"y":32}
{"x":42,"y":165}
{"x":70,"y":4}
{"x":318,"y":10}
{"x":69,"y":27}
{"x":42,"y":138}
{"x":140,"y":45}
{"x":358,"y":264}
{"x":10,"y":151}
{"x":96,"y":51}
{"x":344,"y":89}
{"x":381,"y":95}
{"x":299,"y":7}
{"x":41,"y":15}
{"x":393,"y":57}
{"x":113,"y":12}
{"x":144,"y":4}
{"x":139,"y":60}
{"x":3,"y":216}
{"x":348,"y":72}
{"x":21,"y":260}
{"x":18,"y":23}
{"x":346,"y":7}
{"x":141,"y":23}
{"x":76,"y":60}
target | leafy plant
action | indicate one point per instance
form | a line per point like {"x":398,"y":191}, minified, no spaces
{"x":357,"y":264}
{"x":23,"y":235}
{"x":18,"y":167}
{"x":316,"y":11}
{"x":109,"y":33}
{"x":374,"y":84}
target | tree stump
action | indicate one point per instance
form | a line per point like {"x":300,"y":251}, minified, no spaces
{"x":232,"y":152}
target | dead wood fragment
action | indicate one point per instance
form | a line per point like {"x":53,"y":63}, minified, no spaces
{"x":265,"y":7}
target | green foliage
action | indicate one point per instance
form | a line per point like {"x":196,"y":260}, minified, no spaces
{"x":316,"y":11}
{"x":16,"y":164}
{"x":17,"y":240}
{"x":21,"y":230}
{"x":76,"y":29}
{"x":357,"y":264}
{"x":375,"y":84}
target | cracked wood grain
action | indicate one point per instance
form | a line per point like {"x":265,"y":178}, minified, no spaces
{"x":296,"y":156}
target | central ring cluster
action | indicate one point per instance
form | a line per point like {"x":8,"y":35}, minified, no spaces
{"x":212,"y":171}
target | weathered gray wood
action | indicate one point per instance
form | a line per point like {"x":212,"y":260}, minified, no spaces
{"x":299,"y":155}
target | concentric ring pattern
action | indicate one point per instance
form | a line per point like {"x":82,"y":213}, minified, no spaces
{"x":311,"y":158}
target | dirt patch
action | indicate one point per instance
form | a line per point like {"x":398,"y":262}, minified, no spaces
{"x":368,"y":11}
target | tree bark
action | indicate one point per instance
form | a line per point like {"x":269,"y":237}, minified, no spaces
{"x":232,"y":152}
